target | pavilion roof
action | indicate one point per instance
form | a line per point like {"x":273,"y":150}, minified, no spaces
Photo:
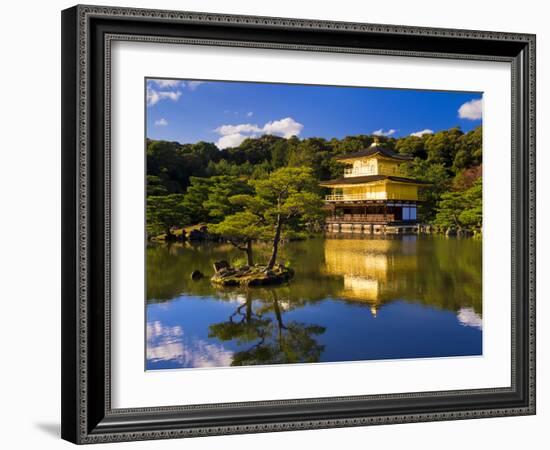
{"x":372,"y":150}
{"x":369,"y":179}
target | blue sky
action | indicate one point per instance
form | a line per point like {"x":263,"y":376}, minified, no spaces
{"x":226,"y":113}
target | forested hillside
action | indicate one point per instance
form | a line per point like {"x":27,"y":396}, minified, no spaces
{"x":190,"y":183}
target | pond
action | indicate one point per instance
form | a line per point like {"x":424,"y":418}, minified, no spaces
{"x":351,"y":299}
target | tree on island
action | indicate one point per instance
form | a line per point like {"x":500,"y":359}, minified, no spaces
{"x":164,"y":212}
{"x":240,"y":229}
{"x":284,"y":203}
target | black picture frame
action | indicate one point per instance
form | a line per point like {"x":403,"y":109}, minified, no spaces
{"x":87,"y":415}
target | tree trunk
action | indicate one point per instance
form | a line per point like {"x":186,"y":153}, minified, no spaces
{"x":247,"y":249}
{"x":276,"y":240}
{"x":249,"y":258}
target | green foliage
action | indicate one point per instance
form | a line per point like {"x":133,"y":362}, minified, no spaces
{"x":219,"y":190}
{"x":449,"y":160}
{"x":471,"y":216}
{"x":239,"y":228}
{"x":461,"y":209}
{"x":155,"y":186}
{"x":441,"y":147}
{"x":207,"y":198}
{"x":164,"y":212}
{"x":173,"y":164}
{"x":253,"y":151}
{"x":197,"y":194}
{"x":411,"y":146}
{"x":435,"y":174}
{"x":469,"y":150}
{"x":287,"y":200}
{"x":279,"y":154}
{"x":351,"y":144}
{"x":290,"y":197}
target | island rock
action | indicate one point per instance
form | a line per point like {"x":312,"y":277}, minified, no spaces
{"x":219,"y":265}
{"x":252,"y":276}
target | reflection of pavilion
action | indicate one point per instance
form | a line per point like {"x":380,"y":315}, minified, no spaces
{"x":374,"y":270}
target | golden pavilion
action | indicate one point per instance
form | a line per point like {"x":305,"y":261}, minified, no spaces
{"x":372,"y":197}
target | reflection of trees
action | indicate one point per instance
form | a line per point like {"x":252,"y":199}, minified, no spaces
{"x":169,"y":268}
{"x":457,"y":280}
{"x":269,"y":338}
{"x":370,"y":270}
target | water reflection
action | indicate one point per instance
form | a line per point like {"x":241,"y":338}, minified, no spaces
{"x":265,"y":336}
{"x":435,"y":271}
{"x":469,"y":318}
{"x":351,"y":299}
{"x":371,"y":268}
{"x":168,"y":345}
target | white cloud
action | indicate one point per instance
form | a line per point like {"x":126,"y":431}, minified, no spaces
{"x":249,"y":114}
{"x":166,"y":89}
{"x":422,"y":132}
{"x":225,"y":130}
{"x":161,"y":122}
{"x":154,"y":96}
{"x":233,"y":135}
{"x":381,"y":132}
{"x":471,"y":110}
{"x":194,"y":84}
{"x":286,"y":127}
{"x":168,"y":83}
{"x":231,"y":140}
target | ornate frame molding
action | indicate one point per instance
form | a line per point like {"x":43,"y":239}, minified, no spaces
{"x":87,"y":422}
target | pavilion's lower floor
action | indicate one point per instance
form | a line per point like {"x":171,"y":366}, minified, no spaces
{"x":376,"y":212}
{"x":366,"y":228}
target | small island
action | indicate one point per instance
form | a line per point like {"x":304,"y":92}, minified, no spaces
{"x":282,"y":206}
{"x":257,"y":275}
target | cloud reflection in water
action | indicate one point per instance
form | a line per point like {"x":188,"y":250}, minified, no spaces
{"x":469,"y":318}
{"x":165,"y":343}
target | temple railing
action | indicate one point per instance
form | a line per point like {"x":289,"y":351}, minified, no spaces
{"x":361,"y":218}
{"x":351,"y":172}
{"x":367,"y":196}
{"x":358,"y":172}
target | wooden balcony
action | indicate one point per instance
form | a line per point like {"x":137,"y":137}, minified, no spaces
{"x":359,"y":172}
{"x":358,"y":197}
